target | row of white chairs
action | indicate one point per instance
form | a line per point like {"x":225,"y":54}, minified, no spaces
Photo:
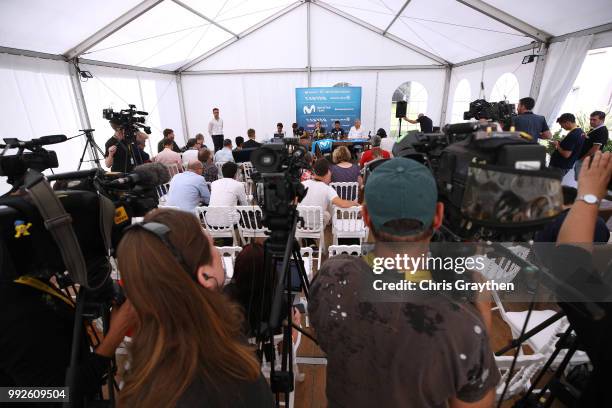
{"x":220,"y":223}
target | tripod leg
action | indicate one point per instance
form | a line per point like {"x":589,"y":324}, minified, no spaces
{"x":83,"y":154}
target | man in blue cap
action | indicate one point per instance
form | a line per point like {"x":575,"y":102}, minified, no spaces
{"x":421,"y":351}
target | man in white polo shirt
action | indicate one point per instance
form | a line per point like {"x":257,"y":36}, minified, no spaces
{"x":357,"y":132}
{"x":321,"y":194}
{"x":227,"y":192}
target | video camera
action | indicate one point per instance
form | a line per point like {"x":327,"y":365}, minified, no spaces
{"x":99,"y":205}
{"x":493,"y":184}
{"x":501,"y":112}
{"x":15,"y":166}
{"x":130,"y":120}
{"x":278,"y":171}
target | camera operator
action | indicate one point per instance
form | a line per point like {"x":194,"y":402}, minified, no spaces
{"x":119,"y":155}
{"x":575,"y":258}
{"x":426,"y":352}
{"x":528,"y":122}
{"x":187,"y":351}
{"x":36,"y":336}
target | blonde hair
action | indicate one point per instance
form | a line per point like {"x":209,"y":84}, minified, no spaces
{"x":341,"y":154}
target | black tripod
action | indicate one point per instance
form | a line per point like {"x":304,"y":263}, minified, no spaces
{"x":278,"y":249}
{"x":95,"y":150}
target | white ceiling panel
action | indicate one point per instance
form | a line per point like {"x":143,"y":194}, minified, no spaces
{"x":58,"y":25}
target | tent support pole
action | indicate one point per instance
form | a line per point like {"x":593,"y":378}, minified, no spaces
{"x":179,"y":88}
{"x":75,"y":81}
{"x":538,"y":73}
{"x":309,"y":64}
{"x":447,"y":80}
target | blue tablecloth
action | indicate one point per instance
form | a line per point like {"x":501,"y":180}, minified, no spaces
{"x":326,"y":145}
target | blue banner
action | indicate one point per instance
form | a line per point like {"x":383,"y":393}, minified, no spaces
{"x":327,"y":105}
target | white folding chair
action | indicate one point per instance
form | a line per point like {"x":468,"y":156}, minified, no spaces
{"x":247,"y":170}
{"x":250,"y":225}
{"x":353,"y":250}
{"x":503,"y":270}
{"x":173,"y":169}
{"x":313,"y":228}
{"x":348,"y":223}
{"x":346,"y":190}
{"x":219,"y":166}
{"x":228,"y":254}
{"x":306,"y":253}
{"x":219,"y":221}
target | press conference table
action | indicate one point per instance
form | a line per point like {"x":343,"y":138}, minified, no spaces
{"x":323,"y":146}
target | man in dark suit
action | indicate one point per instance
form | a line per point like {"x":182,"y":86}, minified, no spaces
{"x":251,"y":143}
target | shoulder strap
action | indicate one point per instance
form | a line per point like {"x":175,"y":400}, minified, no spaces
{"x":59,"y":223}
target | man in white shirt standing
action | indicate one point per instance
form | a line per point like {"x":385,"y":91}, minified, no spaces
{"x":225,"y":154}
{"x":357,"y":132}
{"x":227,"y":192}
{"x":321,"y":194}
{"x":215,"y":129}
{"x":189,"y":189}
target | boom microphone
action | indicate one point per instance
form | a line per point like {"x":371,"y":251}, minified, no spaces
{"x":149,"y":174}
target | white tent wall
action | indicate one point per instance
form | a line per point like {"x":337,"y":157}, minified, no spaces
{"x":432,"y":79}
{"x":151,"y":92}
{"x":365,"y":79}
{"x":257,"y":101}
{"x":36,"y":99}
{"x":493,"y":70}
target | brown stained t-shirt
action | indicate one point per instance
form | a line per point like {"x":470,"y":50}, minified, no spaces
{"x":396,"y":354}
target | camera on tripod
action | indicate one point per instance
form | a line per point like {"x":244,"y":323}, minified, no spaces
{"x":278,"y":171}
{"x":501,"y":111}
{"x":129,"y":120}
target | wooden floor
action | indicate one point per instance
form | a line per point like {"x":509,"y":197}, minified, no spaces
{"x":311,"y":392}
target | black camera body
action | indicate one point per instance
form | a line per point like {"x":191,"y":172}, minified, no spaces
{"x":501,"y":112}
{"x":130,"y":120}
{"x":493,"y":184}
{"x":278,"y":171}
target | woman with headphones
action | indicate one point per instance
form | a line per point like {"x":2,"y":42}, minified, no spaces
{"x":186,"y":350}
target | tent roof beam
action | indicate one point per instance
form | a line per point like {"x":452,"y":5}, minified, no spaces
{"x":507,"y":19}
{"x":377,"y":30}
{"x":399,"y":13}
{"x":111,"y":28}
{"x":243,"y":34}
{"x":202,"y":16}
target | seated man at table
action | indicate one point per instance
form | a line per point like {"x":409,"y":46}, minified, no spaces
{"x":321,"y":194}
{"x":318,"y":131}
{"x":337,"y":132}
{"x":357,"y":132}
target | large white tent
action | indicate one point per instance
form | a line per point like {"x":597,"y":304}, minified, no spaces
{"x":177,"y":59}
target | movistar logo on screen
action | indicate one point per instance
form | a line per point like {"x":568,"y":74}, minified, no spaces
{"x":309,"y":109}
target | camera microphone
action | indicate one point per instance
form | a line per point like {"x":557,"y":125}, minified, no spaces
{"x":13,"y":143}
{"x":149,"y":174}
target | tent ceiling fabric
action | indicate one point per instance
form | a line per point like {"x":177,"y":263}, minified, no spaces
{"x":175,"y":32}
{"x":558,"y":17}
{"x":55,"y":26}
